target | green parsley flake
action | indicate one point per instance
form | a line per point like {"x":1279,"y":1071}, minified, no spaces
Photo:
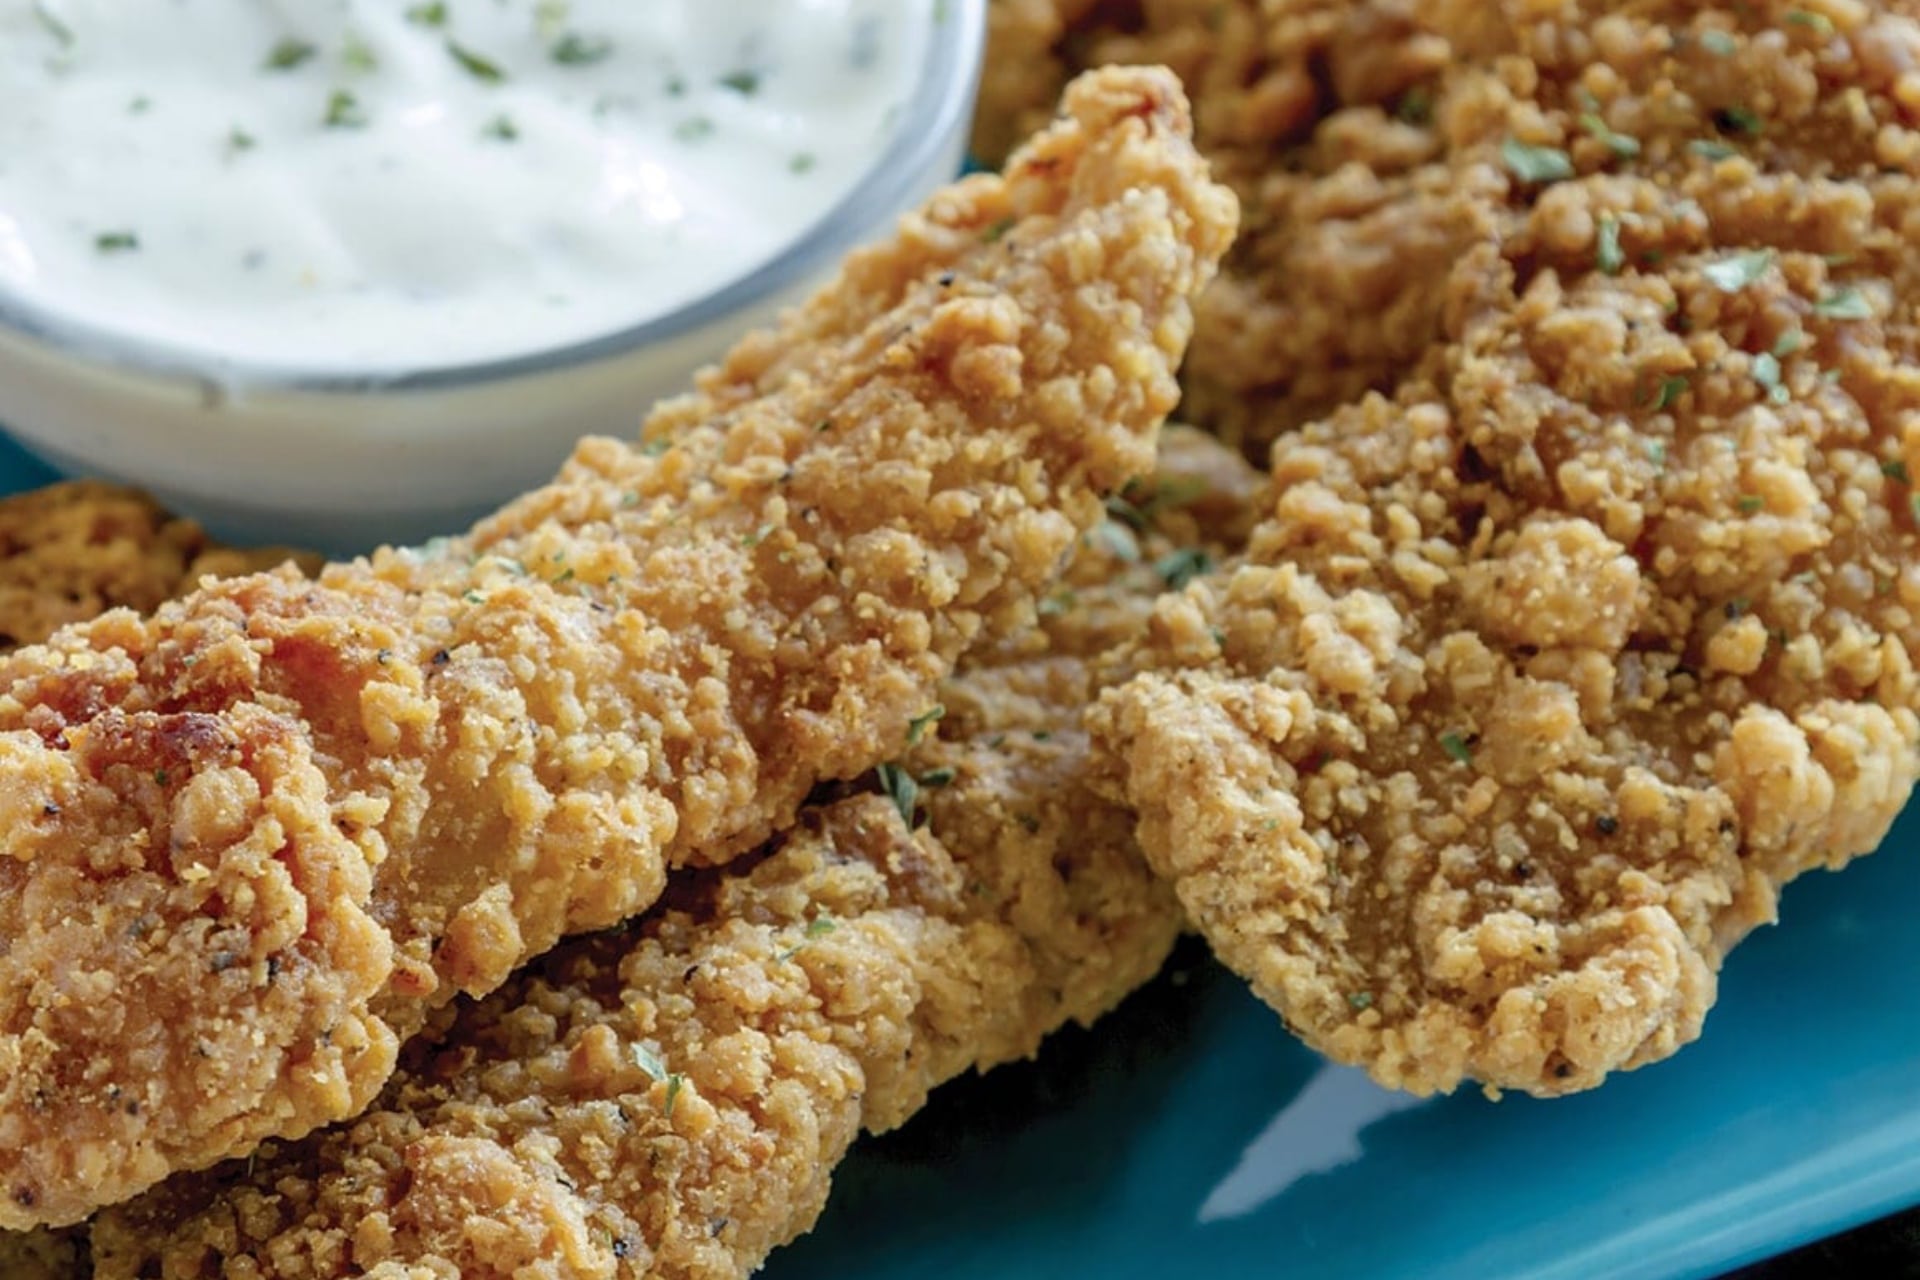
{"x":693,"y":129}
{"x":480,"y":68}
{"x":918,"y":726}
{"x":1178,"y":568}
{"x":1456,"y":748}
{"x":674,"y":1084}
{"x":289,"y":53}
{"x":1618,"y":143}
{"x":649,"y":1061}
{"x":1719,"y":43}
{"x":802,"y":162}
{"x":1817,"y":22}
{"x":428,"y":15}
{"x":501,"y":128}
{"x":1734,"y":273}
{"x":997,"y":232}
{"x":1669,"y":390}
{"x":1360,"y":1001}
{"x":900,"y":788}
{"x":1711,"y":148}
{"x":936,"y":777}
{"x":1766,"y":369}
{"x":1789,"y":342}
{"x":358,"y":55}
{"x":821,"y":926}
{"x":1535,"y":164}
{"x":576,"y":50}
{"x":116,"y":242}
{"x":1608,"y":255}
{"x":1117,"y":539}
{"x":744,"y":83}
{"x":1895,"y":470}
{"x":344,"y":111}
{"x":1737,"y":120}
{"x":1844,"y":304}
{"x":52,"y":24}
{"x":1657,"y":454}
{"x":1749,"y":504}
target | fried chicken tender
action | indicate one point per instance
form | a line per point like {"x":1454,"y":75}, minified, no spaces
{"x":670,"y":1100}
{"x":1544,"y":673}
{"x":71,"y":551}
{"x":251,"y":842}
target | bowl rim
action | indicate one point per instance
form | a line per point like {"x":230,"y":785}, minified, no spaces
{"x":942,"y":105}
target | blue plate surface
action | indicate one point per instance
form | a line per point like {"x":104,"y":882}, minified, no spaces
{"x":1188,"y":1134}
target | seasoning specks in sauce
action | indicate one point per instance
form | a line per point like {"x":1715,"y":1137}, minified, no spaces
{"x":366,"y":185}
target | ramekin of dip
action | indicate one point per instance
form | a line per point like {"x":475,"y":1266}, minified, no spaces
{"x":355,"y":272}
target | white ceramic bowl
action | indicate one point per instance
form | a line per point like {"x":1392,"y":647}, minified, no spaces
{"x":343,"y":463}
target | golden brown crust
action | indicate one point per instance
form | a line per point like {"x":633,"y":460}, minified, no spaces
{"x":670,"y":1100}
{"x":282,"y":820}
{"x":1545,"y":672}
{"x":72,"y":551}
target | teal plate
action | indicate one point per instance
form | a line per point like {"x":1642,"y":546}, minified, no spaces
{"x":1188,"y":1134}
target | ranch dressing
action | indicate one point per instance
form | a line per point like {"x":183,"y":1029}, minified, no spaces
{"x":383,"y":185}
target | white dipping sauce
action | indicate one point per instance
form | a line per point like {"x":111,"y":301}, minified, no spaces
{"x":385,"y":186}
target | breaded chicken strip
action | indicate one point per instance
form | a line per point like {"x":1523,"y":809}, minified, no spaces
{"x":251,"y":842}
{"x":72,"y":551}
{"x":1321,"y":114}
{"x":670,"y":1100}
{"x":1546,"y":673}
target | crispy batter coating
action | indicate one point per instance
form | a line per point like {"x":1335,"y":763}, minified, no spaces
{"x":251,"y":842}
{"x":1545,"y":673}
{"x":71,"y":551}
{"x":670,"y":1100}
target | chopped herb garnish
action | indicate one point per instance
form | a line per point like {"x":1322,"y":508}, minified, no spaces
{"x":674,"y":1083}
{"x":1117,"y":539}
{"x":1657,"y":454}
{"x":502,"y":128}
{"x":1749,"y":504}
{"x":1180,"y":567}
{"x":239,"y":140}
{"x":576,"y":50}
{"x":1058,"y":603}
{"x":480,"y":68}
{"x":649,"y":1061}
{"x":1669,"y":390}
{"x":344,"y":112}
{"x":1766,"y":369}
{"x":1415,"y":106}
{"x":358,"y":55}
{"x":1737,"y":120}
{"x":1608,"y":255}
{"x":140,"y":105}
{"x":1789,"y":342}
{"x":1618,"y":143}
{"x":1360,"y":1001}
{"x":428,"y":15}
{"x":997,"y":231}
{"x":1818,"y":22}
{"x":744,"y":83}
{"x":116,"y":241}
{"x":1535,"y":164}
{"x":1720,"y":43}
{"x":1734,"y":273}
{"x":821,"y":926}
{"x":936,"y":777}
{"x":289,"y":53}
{"x":52,"y":24}
{"x":1895,"y":470}
{"x":801,"y":162}
{"x":1456,"y":748}
{"x":1711,"y":149}
{"x":918,"y":726}
{"x":1844,"y":304}
{"x":693,"y":129}
{"x":900,"y":788}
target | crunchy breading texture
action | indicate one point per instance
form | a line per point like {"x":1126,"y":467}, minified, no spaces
{"x":1543,"y":675}
{"x":71,"y":551}
{"x":1323,"y":117}
{"x":670,"y":1100}
{"x":250,"y":842}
